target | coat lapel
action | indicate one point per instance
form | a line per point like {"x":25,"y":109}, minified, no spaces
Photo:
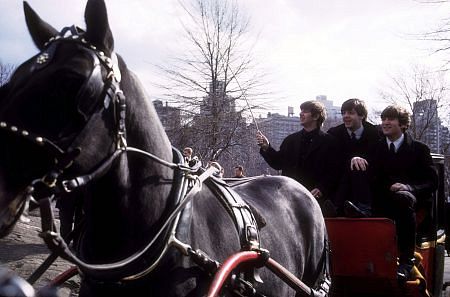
{"x":406,"y":145}
{"x":316,"y":142}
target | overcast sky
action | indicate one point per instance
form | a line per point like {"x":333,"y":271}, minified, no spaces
{"x":339,"y":48}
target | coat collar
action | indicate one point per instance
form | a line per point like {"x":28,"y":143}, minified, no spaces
{"x":406,"y":144}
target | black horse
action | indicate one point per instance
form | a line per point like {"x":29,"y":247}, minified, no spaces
{"x":68,"y":118}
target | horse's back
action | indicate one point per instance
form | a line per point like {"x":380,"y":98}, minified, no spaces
{"x":294,"y":231}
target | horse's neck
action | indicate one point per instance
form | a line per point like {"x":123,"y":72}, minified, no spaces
{"x":145,"y":130}
{"x":134,"y":195}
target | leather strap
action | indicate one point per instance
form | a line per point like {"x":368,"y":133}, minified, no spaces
{"x":241,"y":213}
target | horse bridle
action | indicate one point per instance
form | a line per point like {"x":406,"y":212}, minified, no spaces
{"x":51,"y":184}
{"x":112,"y":93}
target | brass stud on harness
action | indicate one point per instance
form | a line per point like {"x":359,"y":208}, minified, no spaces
{"x":14,"y":128}
{"x":25,"y":133}
{"x":42,"y":58}
{"x":3,"y":125}
{"x":39,"y":139}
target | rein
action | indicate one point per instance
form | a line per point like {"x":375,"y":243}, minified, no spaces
{"x":51,"y":184}
{"x":121,"y":270}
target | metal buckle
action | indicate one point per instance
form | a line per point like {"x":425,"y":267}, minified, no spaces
{"x":65,"y":185}
{"x":251,"y":236}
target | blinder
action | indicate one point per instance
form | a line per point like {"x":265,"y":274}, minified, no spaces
{"x":90,"y":92}
{"x":93,"y":86}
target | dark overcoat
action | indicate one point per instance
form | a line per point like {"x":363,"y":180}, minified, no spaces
{"x":411,"y":165}
{"x":317,"y":168}
{"x":353,"y":185}
{"x":363,"y":147}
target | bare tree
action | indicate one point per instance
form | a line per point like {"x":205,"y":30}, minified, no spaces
{"x":5,"y":72}
{"x":424,"y":92}
{"x":438,"y":39}
{"x":215,"y":80}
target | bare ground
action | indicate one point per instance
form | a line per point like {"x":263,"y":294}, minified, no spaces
{"x":23,"y":251}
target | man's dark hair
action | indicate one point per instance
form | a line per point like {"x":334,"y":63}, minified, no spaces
{"x":316,"y":108}
{"x":397,"y":112}
{"x":358,"y":105}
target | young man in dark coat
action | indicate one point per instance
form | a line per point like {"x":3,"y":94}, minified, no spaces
{"x":307,"y":155}
{"x":356,"y":138}
{"x":404,"y":178}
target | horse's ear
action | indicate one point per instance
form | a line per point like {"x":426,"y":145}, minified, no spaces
{"x":97,"y":26}
{"x":39,"y":30}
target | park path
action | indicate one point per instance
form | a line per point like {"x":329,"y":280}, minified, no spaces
{"x":23,"y":251}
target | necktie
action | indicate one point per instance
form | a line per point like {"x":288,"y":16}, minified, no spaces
{"x":353,"y":137}
{"x":392,"y":148}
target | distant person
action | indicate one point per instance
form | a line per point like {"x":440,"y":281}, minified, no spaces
{"x":306,"y":156}
{"x":239,"y":171}
{"x":189,"y":159}
{"x":404,"y":179}
{"x":355,"y":138}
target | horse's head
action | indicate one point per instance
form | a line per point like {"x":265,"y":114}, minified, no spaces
{"x":49,"y":101}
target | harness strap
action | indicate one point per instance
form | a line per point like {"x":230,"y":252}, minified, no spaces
{"x":323,"y":280}
{"x":42,"y":268}
{"x":71,"y":184}
{"x":121,"y":269}
{"x":240,"y":212}
{"x":244,"y":220}
{"x":52,"y":257}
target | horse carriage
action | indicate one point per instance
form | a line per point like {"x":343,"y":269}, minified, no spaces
{"x":364,"y":251}
{"x":75,"y":118}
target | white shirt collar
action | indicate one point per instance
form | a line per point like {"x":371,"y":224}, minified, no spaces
{"x":397,"y":143}
{"x":358,"y":132}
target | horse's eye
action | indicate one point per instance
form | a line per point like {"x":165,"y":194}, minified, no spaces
{"x":52,"y":107}
{"x":71,"y":84}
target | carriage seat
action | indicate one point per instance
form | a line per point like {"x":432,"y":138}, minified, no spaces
{"x":425,"y":222}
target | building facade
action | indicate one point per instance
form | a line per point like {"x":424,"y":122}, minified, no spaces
{"x":334,"y":116}
{"x":426,"y":126}
{"x":169,"y":116}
